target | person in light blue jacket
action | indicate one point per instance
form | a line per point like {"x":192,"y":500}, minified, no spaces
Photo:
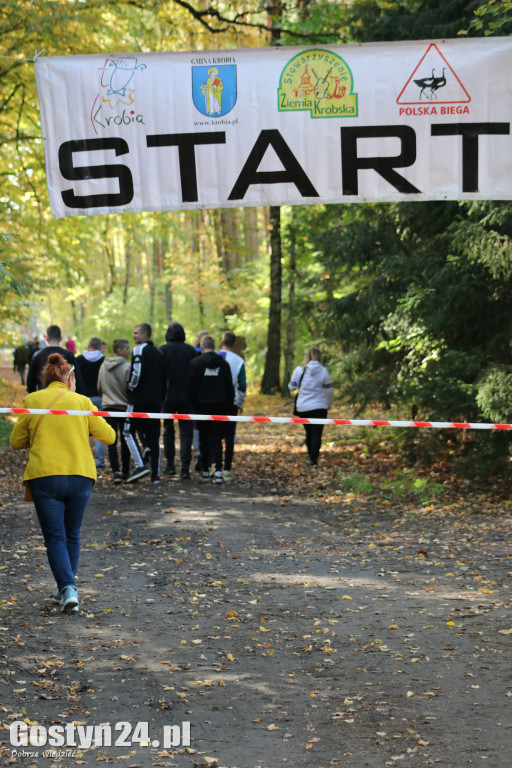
{"x":312,"y":386}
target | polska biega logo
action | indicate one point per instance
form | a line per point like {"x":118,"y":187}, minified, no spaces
{"x":319,"y":82}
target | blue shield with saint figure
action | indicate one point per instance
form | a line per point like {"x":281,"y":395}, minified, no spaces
{"x":214,"y":89}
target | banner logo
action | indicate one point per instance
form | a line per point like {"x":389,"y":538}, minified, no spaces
{"x":320,"y":82}
{"x":214,"y":89}
{"x":433,"y":80}
{"x":114,"y":103}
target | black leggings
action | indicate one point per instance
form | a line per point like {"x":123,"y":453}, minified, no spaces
{"x":118,"y":426}
{"x":313,"y":432}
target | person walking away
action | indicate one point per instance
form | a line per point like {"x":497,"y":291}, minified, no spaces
{"x":89,"y":363}
{"x":177,"y":355}
{"x":195,"y":432}
{"x":21,"y":360}
{"x":146,"y":391}
{"x":60,"y":471}
{"x":40,"y":359}
{"x":313,"y":386}
{"x":211,"y":391}
{"x":112,"y":387}
{"x":33,"y":346}
{"x":237,"y":365}
{"x":71,"y":345}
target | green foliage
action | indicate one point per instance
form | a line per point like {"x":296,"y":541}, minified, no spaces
{"x":425,"y":309}
{"x":494,"y":394}
{"x":5,"y":431}
{"x":355,"y":482}
{"x":403,"y":485}
{"x":493,"y":18}
{"x":485,"y":455}
{"x":382,"y":20}
{"x":6,"y":424}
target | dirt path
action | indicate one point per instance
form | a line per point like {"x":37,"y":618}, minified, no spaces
{"x":284,"y":627}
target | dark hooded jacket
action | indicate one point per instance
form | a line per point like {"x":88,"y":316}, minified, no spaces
{"x":177,"y":356}
{"x":211,"y":387}
{"x":39,"y":362}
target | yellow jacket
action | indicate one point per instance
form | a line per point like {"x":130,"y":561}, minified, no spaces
{"x":61,"y":444}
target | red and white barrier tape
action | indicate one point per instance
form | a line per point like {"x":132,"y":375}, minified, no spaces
{"x":262,"y":419}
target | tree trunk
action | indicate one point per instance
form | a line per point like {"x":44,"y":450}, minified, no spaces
{"x":167,"y":272}
{"x":128,"y":265}
{"x":290,"y":315}
{"x":197,"y":253}
{"x":270,"y":381}
{"x":110,"y":254}
{"x":251,"y":235}
{"x":151,"y":259}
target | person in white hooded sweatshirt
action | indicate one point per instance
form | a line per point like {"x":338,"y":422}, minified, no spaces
{"x":313,"y":387}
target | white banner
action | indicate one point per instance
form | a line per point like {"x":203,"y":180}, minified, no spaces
{"x":421,"y":120}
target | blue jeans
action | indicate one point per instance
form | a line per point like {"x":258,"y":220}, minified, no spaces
{"x":60,"y":502}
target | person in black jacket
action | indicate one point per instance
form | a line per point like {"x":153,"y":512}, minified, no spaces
{"x":177,"y":356}
{"x":211,"y":391}
{"x":146,"y":390}
{"x":40,"y":359}
{"x":89,"y":363}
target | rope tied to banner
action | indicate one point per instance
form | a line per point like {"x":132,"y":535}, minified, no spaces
{"x":262,"y":419}
{"x":37,"y":55}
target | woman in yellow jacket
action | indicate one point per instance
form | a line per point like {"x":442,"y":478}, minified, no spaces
{"x":60,"y":471}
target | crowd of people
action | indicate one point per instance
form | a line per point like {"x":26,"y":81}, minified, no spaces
{"x":174,"y":378}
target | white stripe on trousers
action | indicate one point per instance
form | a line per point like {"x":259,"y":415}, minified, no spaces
{"x":131,"y":442}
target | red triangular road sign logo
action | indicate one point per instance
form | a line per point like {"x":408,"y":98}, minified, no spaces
{"x":433,"y":82}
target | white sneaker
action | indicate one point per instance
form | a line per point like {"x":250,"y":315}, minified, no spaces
{"x":227,"y":476}
{"x":205,"y":477}
{"x":217,"y":478}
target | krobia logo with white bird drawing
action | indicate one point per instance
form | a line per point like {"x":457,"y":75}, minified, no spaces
{"x":115,"y":102}
{"x":433,"y":83}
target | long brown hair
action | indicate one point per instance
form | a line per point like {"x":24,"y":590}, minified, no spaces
{"x":57,"y":369}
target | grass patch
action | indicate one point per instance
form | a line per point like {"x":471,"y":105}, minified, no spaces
{"x":354,"y":482}
{"x":405,"y":485}
{"x":6,"y":426}
{"x":401,"y":486}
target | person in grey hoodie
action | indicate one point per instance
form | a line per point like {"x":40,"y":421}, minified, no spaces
{"x":313,"y":388}
{"x":112,"y":386}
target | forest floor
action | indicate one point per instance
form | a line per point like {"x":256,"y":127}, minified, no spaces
{"x":356,"y":616}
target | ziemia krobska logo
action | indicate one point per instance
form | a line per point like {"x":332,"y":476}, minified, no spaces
{"x":320,"y":82}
